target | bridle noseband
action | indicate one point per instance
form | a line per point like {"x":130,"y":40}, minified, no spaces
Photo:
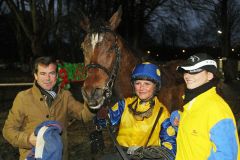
{"x":113,"y":73}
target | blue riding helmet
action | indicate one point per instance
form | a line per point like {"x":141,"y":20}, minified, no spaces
{"x":147,"y":71}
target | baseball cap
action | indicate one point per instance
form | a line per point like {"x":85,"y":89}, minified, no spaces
{"x":199,"y":62}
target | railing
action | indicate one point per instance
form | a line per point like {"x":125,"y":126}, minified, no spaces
{"x":15,"y":84}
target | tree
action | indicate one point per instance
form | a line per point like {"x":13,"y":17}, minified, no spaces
{"x":224,"y":15}
{"x":36,"y":18}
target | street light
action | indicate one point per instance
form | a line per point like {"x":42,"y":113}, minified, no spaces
{"x":219,"y":32}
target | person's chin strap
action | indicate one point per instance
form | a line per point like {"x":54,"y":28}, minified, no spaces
{"x":145,"y":114}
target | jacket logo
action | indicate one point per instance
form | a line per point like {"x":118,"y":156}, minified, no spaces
{"x":194,"y":132}
{"x":194,"y":58}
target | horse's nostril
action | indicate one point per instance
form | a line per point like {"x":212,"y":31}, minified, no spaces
{"x":94,"y":94}
{"x":98,"y":92}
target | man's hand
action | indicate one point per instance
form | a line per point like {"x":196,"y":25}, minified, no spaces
{"x":32,"y":139}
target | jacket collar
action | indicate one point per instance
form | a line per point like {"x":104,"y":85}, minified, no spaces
{"x":192,"y":93}
{"x":201,"y":97}
{"x":39,"y":97}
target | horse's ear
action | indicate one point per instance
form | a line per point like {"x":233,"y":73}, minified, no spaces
{"x":116,"y":18}
{"x":85,"y":23}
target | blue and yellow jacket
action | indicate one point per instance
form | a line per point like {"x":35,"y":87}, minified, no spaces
{"x":207,"y":130}
{"x":133,"y":132}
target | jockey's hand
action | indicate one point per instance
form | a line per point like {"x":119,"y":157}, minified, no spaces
{"x":32,"y":139}
{"x":100,"y":123}
{"x":102,"y":113}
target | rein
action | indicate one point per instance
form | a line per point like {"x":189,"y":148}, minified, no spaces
{"x":113,"y":73}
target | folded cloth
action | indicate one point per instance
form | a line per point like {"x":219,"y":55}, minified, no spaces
{"x":49,"y":144}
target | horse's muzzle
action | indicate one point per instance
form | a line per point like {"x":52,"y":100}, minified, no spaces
{"x":94,"y":98}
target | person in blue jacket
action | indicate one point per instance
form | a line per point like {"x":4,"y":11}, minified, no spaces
{"x":207,"y":128}
{"x":136,"y":115}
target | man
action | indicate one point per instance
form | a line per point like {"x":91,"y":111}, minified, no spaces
{"x":207,"y":128}
{"x":44,"y":101}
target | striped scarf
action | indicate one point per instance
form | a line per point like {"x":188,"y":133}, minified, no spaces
{"x":49,"y":95}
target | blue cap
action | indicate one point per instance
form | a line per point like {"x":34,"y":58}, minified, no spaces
{"x":147,"y":71}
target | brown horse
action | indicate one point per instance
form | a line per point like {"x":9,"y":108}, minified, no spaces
{"x":109,"y":64}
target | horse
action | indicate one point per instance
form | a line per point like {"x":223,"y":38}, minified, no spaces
{"x":109,"y":62}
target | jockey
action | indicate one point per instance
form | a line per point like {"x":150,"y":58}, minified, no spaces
{"x":143,"y":121}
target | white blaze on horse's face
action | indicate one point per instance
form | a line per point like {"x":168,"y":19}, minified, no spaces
{"x":96,"y":38}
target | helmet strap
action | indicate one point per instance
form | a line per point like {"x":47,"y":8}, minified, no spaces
{"x":141,"y":115}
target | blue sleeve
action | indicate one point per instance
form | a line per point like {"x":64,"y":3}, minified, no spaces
{"x":168,"y":136}
{"x":115,"y":113}
{"x":223,"y":135}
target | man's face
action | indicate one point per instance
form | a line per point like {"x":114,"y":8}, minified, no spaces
{"x":46,"y":76}
{"x":195,"y":80}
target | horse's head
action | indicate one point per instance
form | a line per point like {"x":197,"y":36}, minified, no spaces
{"x":102,"y":59}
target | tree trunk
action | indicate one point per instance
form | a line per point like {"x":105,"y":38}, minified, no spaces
{"x":37,"y":48}
{"x":225,"y":29}
{"x":230,"y":66}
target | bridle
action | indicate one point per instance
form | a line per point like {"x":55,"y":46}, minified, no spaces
{"x":113,"y":73}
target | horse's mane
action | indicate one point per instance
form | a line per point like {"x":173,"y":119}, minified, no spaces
{"x":169,"y":74}
{"x":98,"y":25}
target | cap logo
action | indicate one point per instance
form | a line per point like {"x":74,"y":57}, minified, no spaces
{"x":158,"y":72}
{"x":198,"y":65}
{"x":194,"y":58}
{"x":146,"y":63}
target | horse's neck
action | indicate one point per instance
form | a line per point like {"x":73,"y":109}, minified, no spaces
{"x":128,"y":62}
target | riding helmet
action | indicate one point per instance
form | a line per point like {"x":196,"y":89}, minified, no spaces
{"x":147,"y":71}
